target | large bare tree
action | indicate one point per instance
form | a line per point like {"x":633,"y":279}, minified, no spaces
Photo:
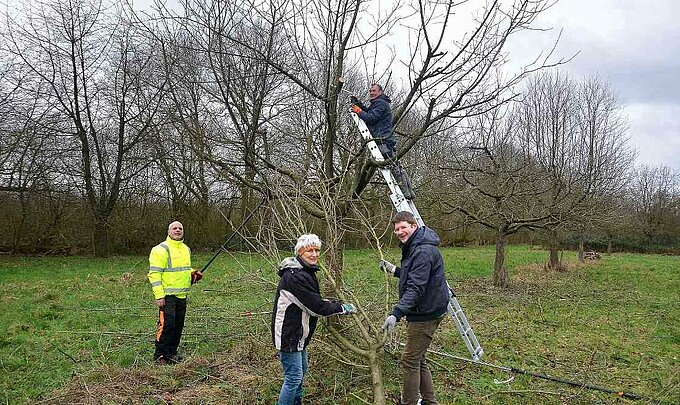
{"x":91,"y":69}
{"x":544,"y":164}
{"x":276,"y":82}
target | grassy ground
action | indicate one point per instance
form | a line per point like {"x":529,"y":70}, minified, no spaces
{"x":80,"y":330}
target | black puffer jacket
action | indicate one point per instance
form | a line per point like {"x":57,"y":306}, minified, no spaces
{"x":298,"y":305}
{"x":423,"y":292}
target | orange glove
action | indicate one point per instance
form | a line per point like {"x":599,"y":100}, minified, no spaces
{"x":356,"y":109}
{"x":196,"y":276}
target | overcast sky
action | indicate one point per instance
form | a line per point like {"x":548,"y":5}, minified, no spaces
{"x":635,"y":46}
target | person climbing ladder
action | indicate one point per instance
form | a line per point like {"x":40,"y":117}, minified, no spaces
{"x":378,"y":119}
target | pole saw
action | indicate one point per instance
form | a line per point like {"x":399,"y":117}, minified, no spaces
{"x":199,"y":273}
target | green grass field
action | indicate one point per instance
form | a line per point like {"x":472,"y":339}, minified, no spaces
{"x":80,"y":330}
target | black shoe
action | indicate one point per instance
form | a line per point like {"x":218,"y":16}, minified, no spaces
{"x":161,"y":361}
{"x":176,"y":358}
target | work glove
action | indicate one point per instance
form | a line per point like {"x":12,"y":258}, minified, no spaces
{"x":354,"y":100}
{"x":356,"y":109}
{"x":196,"y":276}
{"x":387,"y":267}
{"x":390,"y":323}
{"x":348,"y":309}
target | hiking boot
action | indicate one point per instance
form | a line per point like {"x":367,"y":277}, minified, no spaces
{"x":161,"y":361}
{"x":402,"y":181}
{"x":176,"y":358}
{"x":408,"y":194}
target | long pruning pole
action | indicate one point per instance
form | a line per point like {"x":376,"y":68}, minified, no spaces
{"x":222,"y":248}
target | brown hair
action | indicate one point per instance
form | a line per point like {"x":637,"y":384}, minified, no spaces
{"x":404,"y":216}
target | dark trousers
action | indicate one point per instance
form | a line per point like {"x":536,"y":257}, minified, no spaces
{"x":388,"y":151}
{"x":170,"y":325}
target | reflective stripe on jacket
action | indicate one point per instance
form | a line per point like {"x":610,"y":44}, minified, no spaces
{"x":170,"y":269}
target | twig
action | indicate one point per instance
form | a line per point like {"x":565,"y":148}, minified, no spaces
{"x":340,"y":358}
{"x":63,"y":352}
{"x":357,"y":397}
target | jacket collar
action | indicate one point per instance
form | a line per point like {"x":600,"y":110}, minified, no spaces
{"x":411,"y":241}
{"x":306,"y":266}
{"x":171,"y":242}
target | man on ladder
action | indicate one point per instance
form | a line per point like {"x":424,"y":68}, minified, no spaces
{"x":378,"y":119}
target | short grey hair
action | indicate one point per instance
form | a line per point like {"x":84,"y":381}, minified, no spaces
{"x":173,"y":223}
{"x":306,"y":240}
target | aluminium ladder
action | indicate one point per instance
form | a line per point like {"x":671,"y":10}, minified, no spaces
{"x":402,"y":204}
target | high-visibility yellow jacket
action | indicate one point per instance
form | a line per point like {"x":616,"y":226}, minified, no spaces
{"x":170,"y":269}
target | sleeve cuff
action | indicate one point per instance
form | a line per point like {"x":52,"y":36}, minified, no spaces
{"x":398,"y":313}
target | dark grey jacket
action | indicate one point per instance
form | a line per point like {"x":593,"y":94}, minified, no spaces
{"x":423,"y":291}
{"x":378,"y":119}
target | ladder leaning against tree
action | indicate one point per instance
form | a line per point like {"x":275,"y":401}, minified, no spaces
{"x":400,"y":203}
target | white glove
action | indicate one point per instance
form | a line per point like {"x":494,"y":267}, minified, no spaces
{"x":387,"y":267}
{"x":389,"y":324}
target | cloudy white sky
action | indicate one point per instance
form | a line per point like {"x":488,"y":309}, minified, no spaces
{"x":632,"y":44}
{"x":635,"y":46}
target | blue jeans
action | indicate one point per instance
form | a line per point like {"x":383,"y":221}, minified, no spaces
{"x":294,"y":369}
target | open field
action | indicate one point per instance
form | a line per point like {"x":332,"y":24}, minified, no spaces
{"x":80,"y":330}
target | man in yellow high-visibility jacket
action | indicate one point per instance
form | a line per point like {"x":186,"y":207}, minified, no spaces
{"x":171,"y":277}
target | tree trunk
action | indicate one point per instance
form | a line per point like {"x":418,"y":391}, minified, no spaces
{"x":101,"y":238}
{"x":609,"y":246}
{"x":500,"y":274}
{"x":376,"y":376}
{"x":581,"y":254}
{"x":18,"y":233}
{"x":554,"y":258}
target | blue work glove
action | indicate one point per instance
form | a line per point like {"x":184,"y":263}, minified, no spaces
{"x":390,"y":323}
{"x":348,"y":309}
{"x":387,"y":267}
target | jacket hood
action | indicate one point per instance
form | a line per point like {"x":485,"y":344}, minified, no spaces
{"x":422,"y":236}
{"x":294,"y":263}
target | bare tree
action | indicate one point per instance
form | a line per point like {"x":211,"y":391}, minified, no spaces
{"x":655,"y":200}
{"x":279,"y":70}
{"x":586,"y":156}
{"x":275,"y":77}
{"x":493,"y":182}
{"x":544,"y":164}
{"x":91,"y":70}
